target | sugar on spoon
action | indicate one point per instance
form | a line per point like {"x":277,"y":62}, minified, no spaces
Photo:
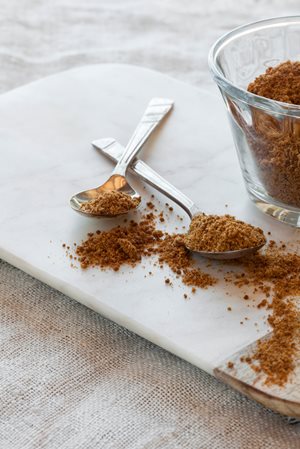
{"x":156,"y":110}
{"x":114,"y":151}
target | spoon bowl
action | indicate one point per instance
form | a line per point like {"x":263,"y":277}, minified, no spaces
{"x":115,"y":183}
{"x":228,"y":255}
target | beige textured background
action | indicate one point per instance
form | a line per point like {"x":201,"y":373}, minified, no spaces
{"x":68,"y":377}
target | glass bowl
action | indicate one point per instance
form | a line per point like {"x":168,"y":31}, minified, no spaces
{"x":266,"y":132}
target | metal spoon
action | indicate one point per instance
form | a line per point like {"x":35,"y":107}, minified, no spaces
{"x":114,"y":151}
{"x":157,"y":109}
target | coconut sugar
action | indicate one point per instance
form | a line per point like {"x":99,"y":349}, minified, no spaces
{"x":128,"y":244}
{"x":111,"y":202}
{"x":120,"y":245}
{"x":215,"y":233}
{"x":276,"y":273}
{"x":275,"y":139}
{"x":280,"y":83}
{"x":173,"y":252}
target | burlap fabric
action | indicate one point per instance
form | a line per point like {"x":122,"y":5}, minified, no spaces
{"x":70,"y":379}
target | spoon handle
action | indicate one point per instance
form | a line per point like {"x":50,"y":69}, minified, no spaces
{"x":156,"y":110}
{"x":113,"y":150}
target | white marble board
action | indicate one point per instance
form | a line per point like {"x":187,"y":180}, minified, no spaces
{"x":45,"y":133}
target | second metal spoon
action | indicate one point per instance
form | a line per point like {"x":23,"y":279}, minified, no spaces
{"x":114,"y":151}
{"x":157,"y":109}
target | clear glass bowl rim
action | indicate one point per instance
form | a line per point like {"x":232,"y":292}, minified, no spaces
{"x":242,"y":94}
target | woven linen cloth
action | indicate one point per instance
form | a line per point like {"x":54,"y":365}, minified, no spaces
{"x":69,"y":378}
